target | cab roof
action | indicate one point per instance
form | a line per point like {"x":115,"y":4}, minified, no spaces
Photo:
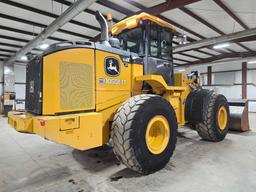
{"x":133,"y":21}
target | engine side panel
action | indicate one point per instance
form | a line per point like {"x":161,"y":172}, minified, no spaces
{"x":68,"y":81}
{"x":113,"y":80}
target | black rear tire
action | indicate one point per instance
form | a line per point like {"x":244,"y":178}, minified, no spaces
{"x":129,"y":130}
{"x":209,"y":128}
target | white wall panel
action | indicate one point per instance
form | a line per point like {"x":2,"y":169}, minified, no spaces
{"x":251,"y":76}
{"x":20,"y":73}
{"x":1,"y":89}
{"x":1,"y":72}
{"x":1,"y":77}
{"x":238,"y":77}
{"x":223,"y":78}
{"x":231,"y":92}
{"x":20,"y":91}
{"x":20,"y":77}
{"x":251,"y":92}
{"x":252,"y":106}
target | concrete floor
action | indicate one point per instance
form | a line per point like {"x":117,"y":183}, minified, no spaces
{"x":30,"y":163}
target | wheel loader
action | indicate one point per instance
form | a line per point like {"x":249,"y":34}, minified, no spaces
{"x":120,"y":90}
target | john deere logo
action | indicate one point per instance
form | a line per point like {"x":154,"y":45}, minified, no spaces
{"x":112,"y":66}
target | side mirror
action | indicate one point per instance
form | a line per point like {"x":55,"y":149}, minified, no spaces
{"x":114,"y":42}
{"x":181,"y":38}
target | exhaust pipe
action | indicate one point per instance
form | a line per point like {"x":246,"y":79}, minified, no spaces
{"x":104,"y":36}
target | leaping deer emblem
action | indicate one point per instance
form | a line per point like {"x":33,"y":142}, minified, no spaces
{"x":111,"y":67}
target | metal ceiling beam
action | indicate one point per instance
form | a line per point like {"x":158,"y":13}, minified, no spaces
{"x":10,"y":45}
{"x":48,"y":14}
{"x":43,"y":26}
{"x":216,"y":40}
{"x":208,"y":47}
{"x":230,"y":61}
{"x":65,"y":17}
{"x":4,"y":55}
{"x":199,"y":51}
{"x":27,"y":33}
{"x":67,"y":3}
{"x":153,"y":11}
{"x":204,"y":52}
{"x":182,"y":27}
{"x":115,"y":7}
{"x":163,"y":7}
{"x":224,"y":56}
{"x":191,"y":56}
{"x":143,"y":8}
{"x":187,"y":30}
{"x":231,"y":14}
{"x":135,"y":4}
{"x":201,"y":20}
{"x":87,"y":11}
{"x":14,"y":38}
{"x":182,"y":60}
{"x":158,"y":9}
{"x":7,"y":50}
{"x":245,"y":39}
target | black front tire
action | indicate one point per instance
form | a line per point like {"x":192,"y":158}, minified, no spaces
{"x":209,"y":128}
{"x":129,"y":129}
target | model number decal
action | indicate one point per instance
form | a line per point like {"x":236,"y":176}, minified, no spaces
{"x":106,"y":81}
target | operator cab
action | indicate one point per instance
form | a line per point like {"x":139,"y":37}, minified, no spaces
{"x":150,"y":38}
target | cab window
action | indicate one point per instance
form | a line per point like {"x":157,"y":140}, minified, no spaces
{"x":132,"y":40}
{"x":160,"y":42}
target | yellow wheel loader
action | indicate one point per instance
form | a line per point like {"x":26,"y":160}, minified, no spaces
{"x":121,"y":89}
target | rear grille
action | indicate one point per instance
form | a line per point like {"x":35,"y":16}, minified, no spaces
{"x":34,"y":86}
{"x":76,"y":87}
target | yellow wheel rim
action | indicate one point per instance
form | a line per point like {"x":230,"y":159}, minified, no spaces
{"x":157,"y":134}
{"x":222,"y":118}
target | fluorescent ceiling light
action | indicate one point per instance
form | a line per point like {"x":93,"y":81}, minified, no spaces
{"x":252,"y":62}
{"x":24,"y":58}
{"x":221,"y":46}
{"x":44,"y":46}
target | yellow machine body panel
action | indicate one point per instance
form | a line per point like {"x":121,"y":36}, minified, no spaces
{"x":81,"y":131}
{"x":106,"y":94}
{"x":176,"y":94}
{"x":88,"y":133}
{"x":68,"y":81}
{"x":92,"y":129}
{"x":111,"y":90}
{"x":136,"y":86}
{"x":83,"y":86}
{"x":20,"y":121}
{"x":87,"y":129}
